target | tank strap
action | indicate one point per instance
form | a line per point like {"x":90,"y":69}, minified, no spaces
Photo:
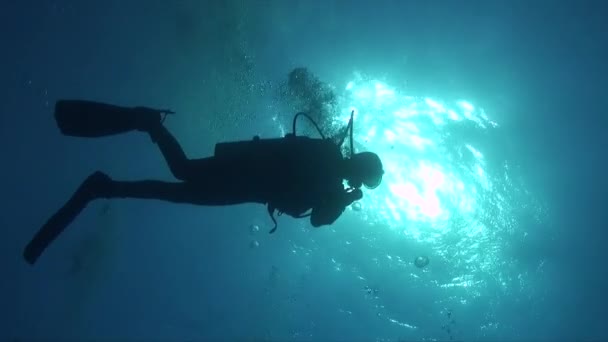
{"x":271,"y":210}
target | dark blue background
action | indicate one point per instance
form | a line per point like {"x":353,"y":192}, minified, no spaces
{"x":540,"y":66}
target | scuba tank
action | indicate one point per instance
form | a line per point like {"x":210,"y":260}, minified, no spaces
{"x":271,"y":147}
{"x":255,"y":148}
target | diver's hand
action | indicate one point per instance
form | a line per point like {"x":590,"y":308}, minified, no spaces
{"x":329,"y":211}
{"x":352,"y":195}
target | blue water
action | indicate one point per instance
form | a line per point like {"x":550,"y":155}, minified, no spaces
{"x":489,"y":118}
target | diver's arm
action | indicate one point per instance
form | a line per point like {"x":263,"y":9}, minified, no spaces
{"x":328,"y":211}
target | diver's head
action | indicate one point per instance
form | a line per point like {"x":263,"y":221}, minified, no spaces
{"x":364,"y":168}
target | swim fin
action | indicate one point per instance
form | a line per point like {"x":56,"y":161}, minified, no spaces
{"x":80,"y":118}
{"x":88,"y":191}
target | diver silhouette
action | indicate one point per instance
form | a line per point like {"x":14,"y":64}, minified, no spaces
{"x":295,"y":175}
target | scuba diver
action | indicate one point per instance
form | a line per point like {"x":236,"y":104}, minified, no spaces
{"x":294,"y":175}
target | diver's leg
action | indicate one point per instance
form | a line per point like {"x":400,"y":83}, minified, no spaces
{"x":214,"y":192}
{"x":175,"y":192}
{"x":181,"y":167}
{"x":95,"y":119}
